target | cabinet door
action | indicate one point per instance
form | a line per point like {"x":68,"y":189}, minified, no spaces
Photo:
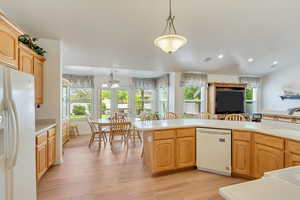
{"x":25,"y":60}
{"x":267,"y":159}
{"x":185,"y":152}
{"x":41,"y":160}
{"x":51,"y":150}
{"x":38,"y":76}
{"x":241,"y":156}
{"x":8,"y":45}
{"x":163,"y":155}
{"x":292,"y":159}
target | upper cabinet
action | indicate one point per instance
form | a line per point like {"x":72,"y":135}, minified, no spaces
{"x":38,"y":64}
{"x":8,"y":44}
{"x":25,"y":59}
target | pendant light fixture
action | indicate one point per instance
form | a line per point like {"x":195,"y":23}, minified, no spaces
{"x":170,"y":42}
{"x":112,"y":82}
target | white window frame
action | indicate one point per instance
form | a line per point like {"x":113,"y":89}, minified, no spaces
{"x":92,"y":104}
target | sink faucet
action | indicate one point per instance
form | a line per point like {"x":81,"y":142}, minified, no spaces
{"x":293,"y":110}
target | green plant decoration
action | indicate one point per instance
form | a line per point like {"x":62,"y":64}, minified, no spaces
{"x":30,"y":42}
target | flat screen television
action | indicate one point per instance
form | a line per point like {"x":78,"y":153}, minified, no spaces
{"x":229,"y":101}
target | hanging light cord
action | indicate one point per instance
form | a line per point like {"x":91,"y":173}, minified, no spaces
{"x":170,"y":27}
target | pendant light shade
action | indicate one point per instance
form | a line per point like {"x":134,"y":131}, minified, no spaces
{"x":170,"y":41}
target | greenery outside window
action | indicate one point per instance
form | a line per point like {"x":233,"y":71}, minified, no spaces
{"x":143,"y":101}
{"x":105,"y":103}
{"x":251,"y":100}
{"x":163,"y":100}
{"x":192,"y":101}
{"x":80,"y":102}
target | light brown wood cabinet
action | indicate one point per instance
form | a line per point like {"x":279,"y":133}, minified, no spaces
{"x":9,"y":44}
{"x":41,"y":155}
{"x":241,"y":157}
{"x":39,"y":78}
{"x":241,"y":153}
{"x":166,"y":150}
{"x":292,"y":154}
{"x":163,"y":155}
{"x":253,"y":154}
{"x":185,"y":152}
{"x":45,"y":152}
{"x":51,"y":146}
{"x":25,"y":59}
{"x":18,"y":56}
{"x":266,"y":159}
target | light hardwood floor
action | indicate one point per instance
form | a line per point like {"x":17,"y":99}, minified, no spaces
{"x":88,"y":175}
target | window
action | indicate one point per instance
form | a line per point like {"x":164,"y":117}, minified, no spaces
{"x":122,"y":101}
{"x":251,"y":100}
{"x":192,"y":101}
{"x":105,"y":103}
{"x":143,"y":101}
{"x":163,"y":100}
{"x":80,"y":102}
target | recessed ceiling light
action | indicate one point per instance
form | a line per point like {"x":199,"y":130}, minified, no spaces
{"x":275,"y":62}
{"x":220,"y":56}
{"x":250,"y":60}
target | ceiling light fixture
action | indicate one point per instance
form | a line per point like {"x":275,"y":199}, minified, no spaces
{"x":250,"y":60}
{"x":275,"y":62}
{"x":221,"y":56}
{"x":170,"y":41}
{"x":112,"y":82}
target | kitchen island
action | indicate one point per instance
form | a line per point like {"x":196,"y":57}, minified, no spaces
{"x":256,"y":147}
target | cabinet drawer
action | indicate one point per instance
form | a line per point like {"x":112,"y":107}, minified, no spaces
{"x":186,"y":132}
{"x":241,"y":135}
{"x":293,"y":146}
{"x":51,"y":132}
{"x":164,"y":134}
{"x":42,"y":138}
{"x":269,"y":141}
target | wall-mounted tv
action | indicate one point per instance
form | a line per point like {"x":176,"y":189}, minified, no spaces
{"x":229,"y":101}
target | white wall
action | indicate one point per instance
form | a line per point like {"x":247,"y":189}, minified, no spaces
{"x":51,"y":108}
{"x":272,"y":85}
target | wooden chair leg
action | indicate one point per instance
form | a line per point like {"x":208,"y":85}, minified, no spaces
{"x":92,"y":139}
{"x":139,"y":135}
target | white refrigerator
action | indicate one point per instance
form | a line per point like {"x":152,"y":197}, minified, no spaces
{"x":17,"y":136}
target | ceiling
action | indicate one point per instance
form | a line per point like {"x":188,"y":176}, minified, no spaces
{"x":88,"y":71}
{"x":120,"y":34}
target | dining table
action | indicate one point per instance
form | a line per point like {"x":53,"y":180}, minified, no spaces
{"x":106,"y":122}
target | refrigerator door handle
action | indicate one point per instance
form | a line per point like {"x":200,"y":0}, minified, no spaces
{"x":15,"y":134}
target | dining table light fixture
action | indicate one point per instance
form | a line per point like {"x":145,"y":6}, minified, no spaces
{"x":112,"y":82}
{"x":170,"y":41}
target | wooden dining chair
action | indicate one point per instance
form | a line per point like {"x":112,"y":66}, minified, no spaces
{"x":119,"y":127}
{"x":170,"y":115}
{"x":235,"y":117}
{"x":205,"y":115}
{"x":97,"y":133}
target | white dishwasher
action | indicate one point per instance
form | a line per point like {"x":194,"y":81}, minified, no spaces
{"x":214,"y":150}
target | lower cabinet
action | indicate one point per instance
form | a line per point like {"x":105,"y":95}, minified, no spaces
{"x":185,"y":152}
{"x":170,"y":149}
{"x":267,"y":159}
{"x":51,"y":146}
{"x":241,"y":157}
{"x":292,"y":154}
{"x":163,"y":155}
{"x":45,"y":152}
{"x":41,"y":155}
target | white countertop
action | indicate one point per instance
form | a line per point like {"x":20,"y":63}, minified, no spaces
{"x":42,"y":125}
{"x":280,"y":129}
{"x":276,"y":185}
